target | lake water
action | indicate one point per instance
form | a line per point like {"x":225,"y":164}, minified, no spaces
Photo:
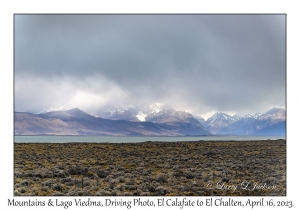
{"x":113,"y":139}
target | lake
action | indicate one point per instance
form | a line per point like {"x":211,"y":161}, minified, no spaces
{"x":114,"y":139}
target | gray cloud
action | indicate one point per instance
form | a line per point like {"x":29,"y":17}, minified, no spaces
{"x":199,"y":63}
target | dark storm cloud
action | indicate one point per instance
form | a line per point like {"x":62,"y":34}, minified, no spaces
{"x":194,"y":62}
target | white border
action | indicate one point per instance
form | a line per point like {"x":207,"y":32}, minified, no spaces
{"x":8,"y":8}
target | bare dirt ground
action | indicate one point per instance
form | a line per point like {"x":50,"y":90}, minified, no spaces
{"x":196,"y":168}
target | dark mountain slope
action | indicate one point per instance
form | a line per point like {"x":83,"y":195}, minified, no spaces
{"x":77,"y":122}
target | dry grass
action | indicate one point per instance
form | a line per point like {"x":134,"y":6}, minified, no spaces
{"x":149,"y":168}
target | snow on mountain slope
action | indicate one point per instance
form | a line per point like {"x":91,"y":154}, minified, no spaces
{"x":141,"y":116}
{"x":270,"y":122}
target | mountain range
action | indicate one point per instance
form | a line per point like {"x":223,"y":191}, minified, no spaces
{"x":151,"y":120}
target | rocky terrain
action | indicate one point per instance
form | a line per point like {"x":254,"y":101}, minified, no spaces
{"x":77,"y":122}
{"x":198,"y":168}
{"x":272,"y":122}
{"x":154,"y":121}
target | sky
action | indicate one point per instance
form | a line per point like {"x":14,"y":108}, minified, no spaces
{"x":196,"y":63}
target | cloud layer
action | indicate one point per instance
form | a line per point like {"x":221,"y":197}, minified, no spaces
{"x":197,"y":63}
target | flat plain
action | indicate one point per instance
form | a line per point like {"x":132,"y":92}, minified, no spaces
{"x":194,"y":168}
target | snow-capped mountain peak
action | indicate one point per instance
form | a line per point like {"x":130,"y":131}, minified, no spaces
{"x":220,"y":116}
{"x":248,"y":116}
{"x":218,"y":123}
{"x":257,"y":115}
{"x":155,"y":107}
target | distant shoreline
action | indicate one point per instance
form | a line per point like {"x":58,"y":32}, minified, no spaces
{"x":136,"y":139}
{"x":154,"y":142}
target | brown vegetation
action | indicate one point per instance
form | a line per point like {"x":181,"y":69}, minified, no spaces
{"x":150,"y":168}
